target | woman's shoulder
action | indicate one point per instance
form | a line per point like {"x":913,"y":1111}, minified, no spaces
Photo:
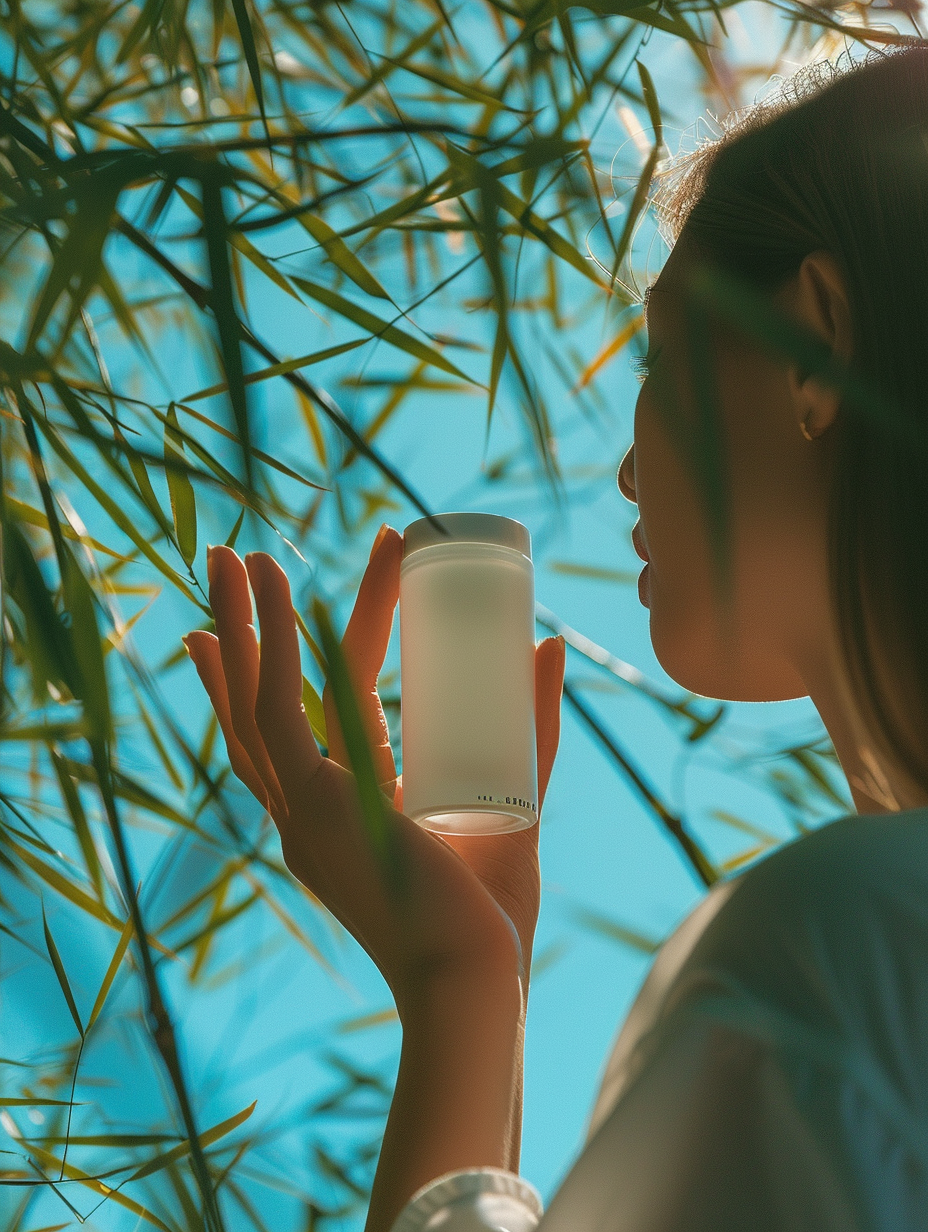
{"x":833,"y":926}
{"x":844,"y":904}
{"x":885,"y":855}
{"x":876,"y":834}
{"x":827,"y":936}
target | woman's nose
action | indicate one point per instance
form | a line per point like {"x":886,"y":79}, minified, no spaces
{"x":626,"y":476}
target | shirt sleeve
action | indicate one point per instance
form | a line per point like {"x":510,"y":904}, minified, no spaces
{"x":473,"y":1200}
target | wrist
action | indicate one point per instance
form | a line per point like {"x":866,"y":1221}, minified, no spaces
{"x":454,"y":1102}
{"x":488,"y":997}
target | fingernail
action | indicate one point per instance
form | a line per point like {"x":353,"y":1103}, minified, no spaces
{"x":380,"y":535}
{"x":209,"y":563}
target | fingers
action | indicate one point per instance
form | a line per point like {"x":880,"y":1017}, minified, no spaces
{"x":203,"y":649}
{"x":550,"y":657}
{"x":365,"y":647}
{"x":231,"y":603}
{"x":279,"y":712}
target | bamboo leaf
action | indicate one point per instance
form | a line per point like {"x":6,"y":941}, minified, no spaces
{"x":379,"y":328}
{"x":744,"y":857}
{"x":377,"y":1019}
{"x":73,"y":893}
{"x":746,"y":827}
{"x":244,"y":246}
{"x":48,"y":644}
{"x":143,"y":483}
{"x":147,"y":18}
{"x":609,"y":351}
{"x":223,"y":878}
{"x":66,"y":888}
{"x":207,"y":1138}
{"x":612,"y":930}
{"x":72,"y":800}
{"x":240,"y":491}
{"x":594,"y":572}
{"x":35,"y":517}
{"x":7,"y":1102}
{"x":218,"y":919}
{"x":375,"y":76}
{"x":315,"y":714}
{"x":651,"y":101}
{"x":341,"y":255}
{"x":62,"y":975}
{"x":281,"y":369}
{"x":124,"y":938}
{"x":246,"y":34}
{"x":78,"y":261}
{"x":158,"y":744}
{"x":401,"y":209}
{"x":183,"y":500}
{"x":311,"y":643}
{"x":548,"y":957}
{"x":90,"y":663}
{"x":233,"y":534}
{"x":291,"y":925}
{"x":373,"y":806}
{"x":114,"y":510}
{"x":109,"y":1140}
{"x":215,"y":230}
{"x":806,"y":759}
{"x":469,"y":171}
{"x":137,"y":793}
{"x":311,"y":420}
{"x":455,"y":85}
{"x":98,"y":1186}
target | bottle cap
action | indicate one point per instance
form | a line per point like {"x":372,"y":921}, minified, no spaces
{"x":467,"y":528}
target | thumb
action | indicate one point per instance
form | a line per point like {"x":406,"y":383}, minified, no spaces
{"x":550,"y":657}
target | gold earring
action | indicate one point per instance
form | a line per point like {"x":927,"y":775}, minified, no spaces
{"x":804,"y":430}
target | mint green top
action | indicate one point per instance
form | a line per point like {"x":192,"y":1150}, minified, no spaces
{"x":772,"y":1075}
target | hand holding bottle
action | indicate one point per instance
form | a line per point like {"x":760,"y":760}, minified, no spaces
{"x":465,"y":894}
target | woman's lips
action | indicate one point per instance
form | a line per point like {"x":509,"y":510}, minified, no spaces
{"x":639,"y":547}
{"x":644,"y":578}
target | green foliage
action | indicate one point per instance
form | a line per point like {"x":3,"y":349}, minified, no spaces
{"x":179,"y":179}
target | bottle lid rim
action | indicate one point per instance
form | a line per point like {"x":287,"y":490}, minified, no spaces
{"x":463,"y":527}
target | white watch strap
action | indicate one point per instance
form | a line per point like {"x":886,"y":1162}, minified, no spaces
{"x":473,"y":1200}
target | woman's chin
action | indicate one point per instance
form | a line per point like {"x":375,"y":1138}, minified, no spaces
{"x":644,"y":586}
{"x":694,"y":667}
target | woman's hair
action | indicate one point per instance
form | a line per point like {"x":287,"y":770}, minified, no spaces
{"x":837,"y":159}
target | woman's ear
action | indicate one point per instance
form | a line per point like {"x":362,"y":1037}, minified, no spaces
{"x":817,"y":297}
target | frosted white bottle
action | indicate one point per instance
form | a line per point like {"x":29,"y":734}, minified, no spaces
{"x":467,"y":664}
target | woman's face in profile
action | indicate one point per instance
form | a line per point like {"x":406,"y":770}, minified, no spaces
{"x":746,"y":644}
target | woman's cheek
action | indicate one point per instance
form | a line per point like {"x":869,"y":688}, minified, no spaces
{"x":685,"y":633}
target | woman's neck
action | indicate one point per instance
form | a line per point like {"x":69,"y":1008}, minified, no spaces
{"x":877,"y":783}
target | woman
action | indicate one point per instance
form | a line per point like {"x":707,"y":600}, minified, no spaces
{"x":773,"y":1072}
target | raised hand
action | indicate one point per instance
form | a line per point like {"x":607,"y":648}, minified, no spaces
{"x":464,"y":894}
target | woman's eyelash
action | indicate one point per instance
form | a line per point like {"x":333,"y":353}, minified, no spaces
{"x":641,"y":365}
